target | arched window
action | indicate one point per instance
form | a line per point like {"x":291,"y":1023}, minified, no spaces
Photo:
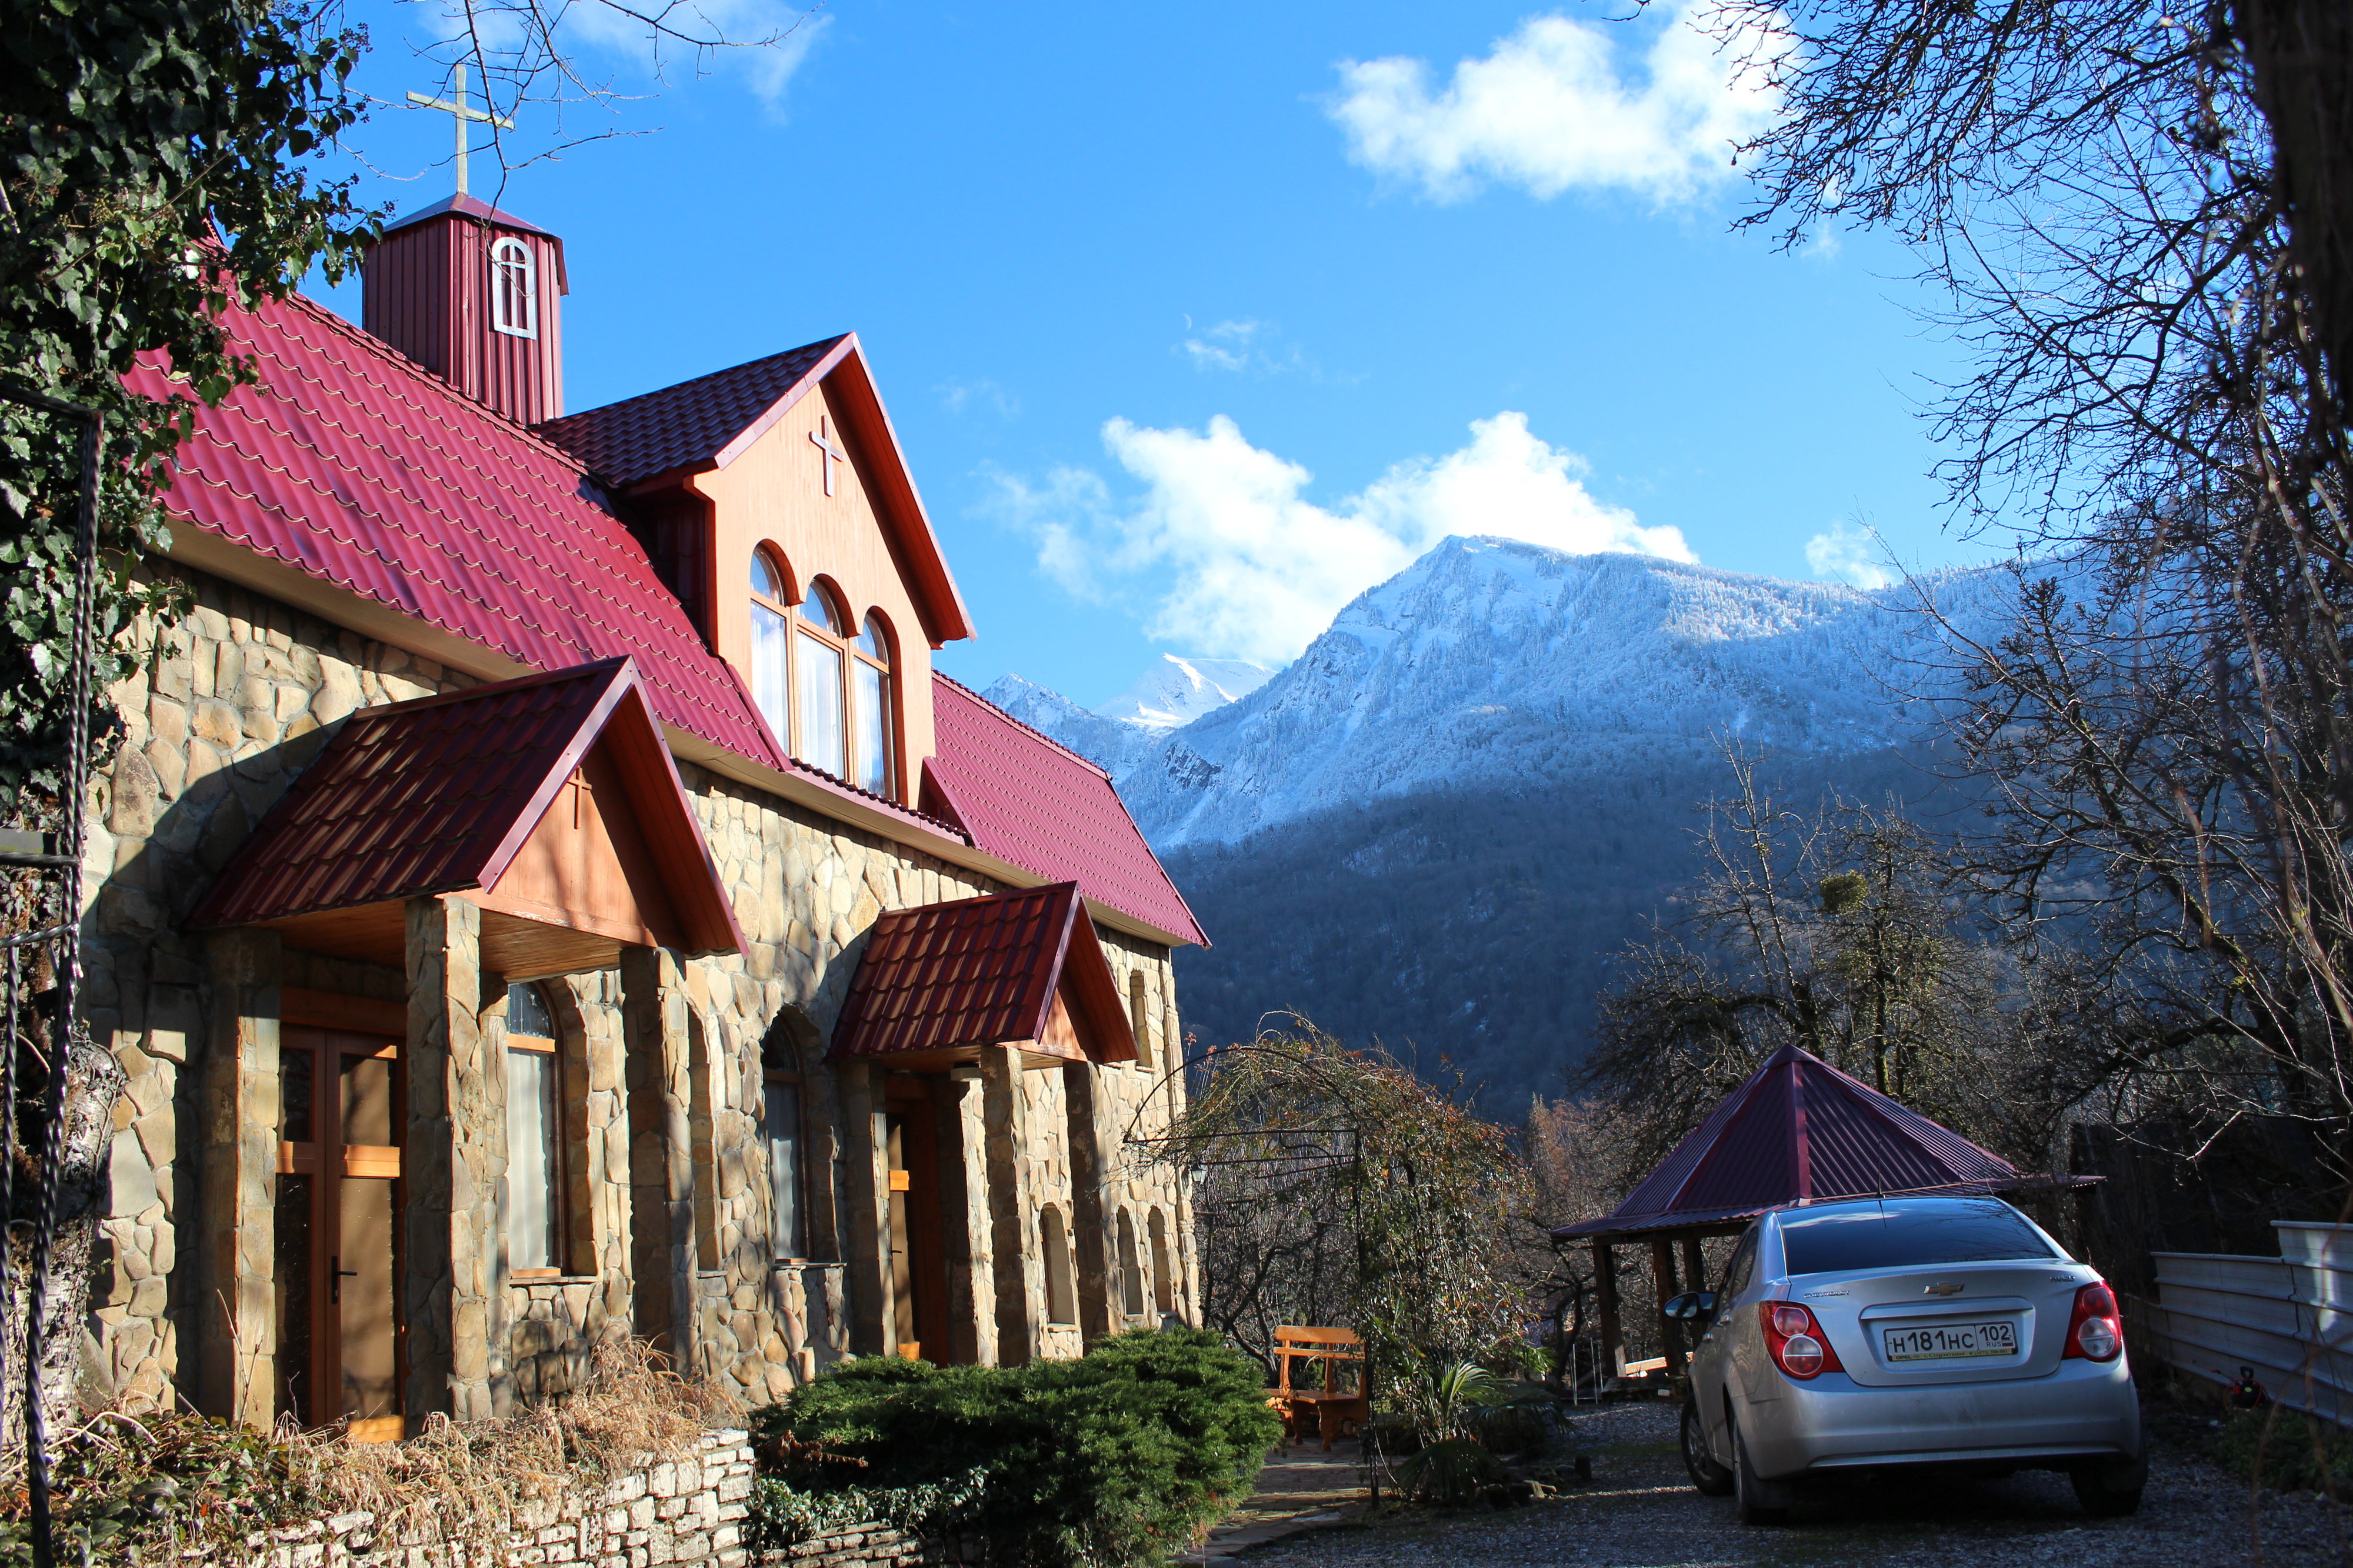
{"x":823,"y":740}
{"x":1061,"y":1299}
{"x":780,"y":1128}
{"x":1131,"y":1272}
{"x":1164,"y":1277}
{"x":514,"y":289}
{"x":535,"y":1141}
{"x":1138,"y":1018}
{"x":870,"y":678}
{"x":771,"y":606}
{"x":701,"y":1080}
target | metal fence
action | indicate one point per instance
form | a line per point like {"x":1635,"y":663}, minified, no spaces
{"x":2289,"y":1319}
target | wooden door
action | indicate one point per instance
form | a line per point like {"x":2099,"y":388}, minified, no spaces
{"x":339,"y":1203}
{"x":919,"y":1268}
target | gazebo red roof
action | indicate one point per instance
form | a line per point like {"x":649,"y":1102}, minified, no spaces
{"x":947,"y":977}
{"x":1800,"y":1130}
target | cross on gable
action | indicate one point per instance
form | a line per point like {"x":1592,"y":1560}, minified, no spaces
{"x":822,"y":437}
{"x":460,"y":113}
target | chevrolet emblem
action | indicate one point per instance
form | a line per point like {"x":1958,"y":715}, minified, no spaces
{"x":1942,"y":1290}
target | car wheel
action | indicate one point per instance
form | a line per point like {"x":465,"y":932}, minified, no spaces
{"x":1711,"y":1479}
{"x":2111,"y":1491}
{"x":1761,"y":1501}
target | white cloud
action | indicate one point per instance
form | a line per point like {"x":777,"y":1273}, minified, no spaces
{"x":958,"y":395}
{"x":1550,"y":109}
{"x":1226,"y":346}
{"x":1852,"y":555}
{"x":1223,"y":554}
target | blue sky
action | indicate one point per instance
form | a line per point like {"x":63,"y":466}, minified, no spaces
{"x":1194,"y":321}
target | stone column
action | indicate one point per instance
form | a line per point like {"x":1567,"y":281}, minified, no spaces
{"x":453,"y":1169}
{"x":964,"y":1227}
{"x":1088,"y":1114}
{"x":662,"y":1149}
{"x":866,"y":1207}
{"x":1016,"y":1264}
{"x":234,"y":1319}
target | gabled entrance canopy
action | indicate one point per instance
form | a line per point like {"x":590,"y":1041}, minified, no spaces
{"x":550,"y":801}
{"x":940,"y":981}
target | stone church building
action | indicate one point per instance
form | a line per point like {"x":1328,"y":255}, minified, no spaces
{"x":545,"y":894}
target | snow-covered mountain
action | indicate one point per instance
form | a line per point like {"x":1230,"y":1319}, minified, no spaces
{"x":1114,"y":746}
{"x":1176,"y":692}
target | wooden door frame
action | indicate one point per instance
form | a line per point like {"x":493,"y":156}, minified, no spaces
{"x":912,"y":1102}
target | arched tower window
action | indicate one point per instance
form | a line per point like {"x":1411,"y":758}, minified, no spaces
{"x":781,"y":1129}
{"x":1130,"y":1270}
{"x":1164,"y":1273}
{"x":822,"y":741}
{"x":514,"y":289}
{"x":870,"y":682}
{"x":534,"y":1137}
{"x":771,"y":608}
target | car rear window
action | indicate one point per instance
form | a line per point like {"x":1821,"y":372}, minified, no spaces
{"x":1907,"y":1235}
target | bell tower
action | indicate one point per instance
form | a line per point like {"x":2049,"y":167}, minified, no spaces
{"x":473,"y":294}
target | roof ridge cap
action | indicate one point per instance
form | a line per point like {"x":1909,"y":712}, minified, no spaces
{"x":1080,"y":758}
{"x":689,"y":381}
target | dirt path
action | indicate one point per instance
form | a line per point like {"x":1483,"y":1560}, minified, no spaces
{"x":1641,"y":1513}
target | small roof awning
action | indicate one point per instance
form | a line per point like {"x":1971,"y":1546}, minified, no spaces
{"x":550,"y":801}
{"x":1800,"y":1130}
{"x":940,"y":981}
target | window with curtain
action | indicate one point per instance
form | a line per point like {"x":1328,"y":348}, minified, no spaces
{"x":780,"y":1130}
{"x":822,"y":741}
{"x":770,"y":610}
{"x":1139,"y":1019}
{"x":515,"y":294}
{"x":870,"y":672}
{"x":534,"y":1189}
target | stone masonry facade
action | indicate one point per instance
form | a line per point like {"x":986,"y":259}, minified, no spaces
{"x":666,"y":1226}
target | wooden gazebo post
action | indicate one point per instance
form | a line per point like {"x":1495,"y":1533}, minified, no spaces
{"x":1663,"y":1282}
{"x":1605,"y":1291}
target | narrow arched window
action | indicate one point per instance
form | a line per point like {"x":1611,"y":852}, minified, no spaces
{"x":822,"y":738}
{"x":771,"y":608}
{"x":1163,"y":1274}
{"x":871,"y":685}
{"x":1139,"y":1018}
{"x":534,"y":1141}
{"x":780,"y":1126}
{"x":514,"y":289}
{"x":1130,"y":1270}
{"x":1061,"y":1299}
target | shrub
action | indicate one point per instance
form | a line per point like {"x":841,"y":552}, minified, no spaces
{"x":1115,"y":1458}
{"x":2285,"y":1450}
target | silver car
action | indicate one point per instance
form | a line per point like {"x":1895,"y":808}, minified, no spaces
{"x":1903,"y":1332}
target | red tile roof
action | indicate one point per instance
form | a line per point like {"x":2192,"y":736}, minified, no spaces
{"x":437,"y":796}
{"x":681,"y":426}
{"x":1024,"y":799}
{"x":1800,"y":1130}
{"x":350,"y":464}
{"x":979,"y":971}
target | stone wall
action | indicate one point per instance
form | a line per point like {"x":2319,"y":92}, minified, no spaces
{"x":239,"y":698}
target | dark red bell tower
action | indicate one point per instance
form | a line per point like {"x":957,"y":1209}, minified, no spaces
{"x":474,"y":295}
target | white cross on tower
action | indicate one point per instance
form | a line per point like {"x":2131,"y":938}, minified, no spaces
{"x":460,"y":112}
{"x":823,"y":439}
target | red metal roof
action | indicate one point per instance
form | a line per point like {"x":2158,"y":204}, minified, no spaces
{"x":682,"y":426}
{"x":980,"y":972}
{"x":437,"y":795}
{"x":348,"y":463}
{"x":475,"y":207}
{"x":1800,"y":1131}
{"x":1024,"y":799}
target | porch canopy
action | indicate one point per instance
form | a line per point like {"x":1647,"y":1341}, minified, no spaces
{"x":1798,"y":1131}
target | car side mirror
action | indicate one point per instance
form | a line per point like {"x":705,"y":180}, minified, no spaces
{"x":1691,"y":1307}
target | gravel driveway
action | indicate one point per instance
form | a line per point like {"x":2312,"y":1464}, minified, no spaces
{"x":1641,"y":1512}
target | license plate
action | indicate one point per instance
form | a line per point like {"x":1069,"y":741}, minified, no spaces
{"x":1950,"y":1341}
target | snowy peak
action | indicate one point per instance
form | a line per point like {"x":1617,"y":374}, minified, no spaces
{"x":1111,"y":745}
{"x":1176,"y":692}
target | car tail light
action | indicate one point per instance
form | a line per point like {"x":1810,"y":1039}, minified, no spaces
{"x":1799,"y":1347}
{"x":2094,"y":1333}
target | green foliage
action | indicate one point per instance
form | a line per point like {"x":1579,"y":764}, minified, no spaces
{"x":1450,"y":1473}
{"x":2285,"y":1450}
{"x":146,"y":158}
{"x":1117,"y":1457}
{"x":783,"y":1514}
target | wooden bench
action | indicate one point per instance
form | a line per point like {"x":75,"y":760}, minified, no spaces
{"x":1344,"y":1402}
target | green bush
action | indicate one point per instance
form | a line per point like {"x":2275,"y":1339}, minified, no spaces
{"x":2285,"y":1450}
{"x":1112,"y":1459}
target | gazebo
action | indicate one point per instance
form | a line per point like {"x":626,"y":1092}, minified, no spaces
{"x":1799,"y":1130}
